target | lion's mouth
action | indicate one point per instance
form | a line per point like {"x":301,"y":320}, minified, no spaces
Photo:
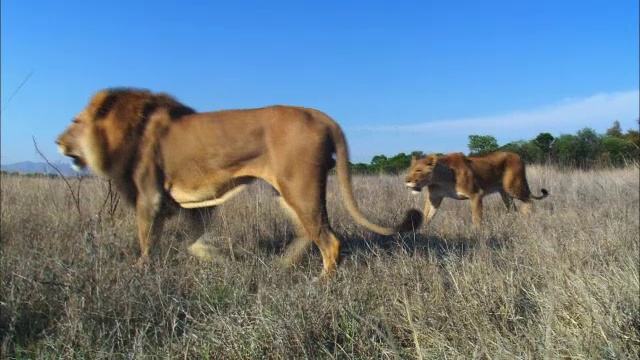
{"x":77,"y":162}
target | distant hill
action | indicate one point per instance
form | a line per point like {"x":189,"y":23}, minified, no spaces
{"x":30,"y":167}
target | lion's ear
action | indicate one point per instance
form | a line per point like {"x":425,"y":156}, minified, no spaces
{"x":434,"y":158}
{"x":414,"y":159}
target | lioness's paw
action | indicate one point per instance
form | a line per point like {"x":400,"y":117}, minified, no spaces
{"x":139,"y":264}
{"x":201,"y":250}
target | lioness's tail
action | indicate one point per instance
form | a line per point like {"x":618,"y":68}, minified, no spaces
{"x":544,"y":192}
{"x":413,"y":218}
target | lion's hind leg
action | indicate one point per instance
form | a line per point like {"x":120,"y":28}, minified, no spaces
{"x":301,"y":244}
{"x":194,"y":227}
{"x":310,"y":213}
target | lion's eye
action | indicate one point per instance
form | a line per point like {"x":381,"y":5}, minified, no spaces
{"x":75,"y":121}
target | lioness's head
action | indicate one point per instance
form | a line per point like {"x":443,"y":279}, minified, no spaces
{"x":421,"y":172}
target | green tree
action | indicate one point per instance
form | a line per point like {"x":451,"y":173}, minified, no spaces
{"x":615,"y":130}
{"x":379,"y":163}
{"x":417,"y":154}
{"x":482,"y":144}
{"x":514,"y":147}
{"x":582,"y":149}
{"x":531,"y":153}
{"x":543,"y":141}
{"x":618,"y":150}
{"x":564,"y":149}
{"x":528,"y":151}
{"x":589,"y":146}
{"x":399,"y":163}
{"x":362,"y":168}
{"x":633,"y":135}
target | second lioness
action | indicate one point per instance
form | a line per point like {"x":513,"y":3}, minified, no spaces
{"x":463,"y":177}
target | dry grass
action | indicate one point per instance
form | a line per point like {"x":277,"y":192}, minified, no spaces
{"x":562,"y":283}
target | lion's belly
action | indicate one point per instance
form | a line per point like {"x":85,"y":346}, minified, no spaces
{"x":207,"y":195}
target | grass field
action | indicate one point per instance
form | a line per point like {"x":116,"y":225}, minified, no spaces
{"x":562,"y":283}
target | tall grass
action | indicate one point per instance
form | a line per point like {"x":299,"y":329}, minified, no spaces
{"x":563,"y":282}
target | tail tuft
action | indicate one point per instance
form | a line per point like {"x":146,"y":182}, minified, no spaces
{"x":412,"y":221}
{"x":544,"y":192}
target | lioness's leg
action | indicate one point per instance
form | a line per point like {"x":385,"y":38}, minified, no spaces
{"x":507,"y":200}
{"x":476,"y":211}
{"x":431,"y":205}
{"x":520,"y":190}
{"x":525,"y":209}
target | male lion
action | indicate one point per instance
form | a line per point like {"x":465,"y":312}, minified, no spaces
{"x":163,"y":156}
{"x":471,"y":177}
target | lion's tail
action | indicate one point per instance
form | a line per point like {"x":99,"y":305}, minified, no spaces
{"x":413,"y":217}
{"x":544,"y":192}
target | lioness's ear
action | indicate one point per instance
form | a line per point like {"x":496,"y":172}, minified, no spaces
{"x":414,"y":159}
{"x":434,"y":158}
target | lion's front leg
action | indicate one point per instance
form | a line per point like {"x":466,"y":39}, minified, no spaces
{"x":150,"y":223}
{"x":149,"y":211}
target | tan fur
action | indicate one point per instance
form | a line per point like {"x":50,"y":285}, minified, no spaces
{"x":164,"y":156}
{"x":471,"y":177}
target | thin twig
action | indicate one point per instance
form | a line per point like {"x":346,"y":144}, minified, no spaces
{"x":15,"y":92}
{"x":76,"y":199}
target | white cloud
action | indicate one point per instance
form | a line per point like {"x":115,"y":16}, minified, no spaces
{"x":567,"y":116}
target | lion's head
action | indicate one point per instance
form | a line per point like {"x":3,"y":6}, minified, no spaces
{"x":104,"y":136}
{"x":69,"y":144}
{"x":84,"y":140}
{"x":421,"y":172}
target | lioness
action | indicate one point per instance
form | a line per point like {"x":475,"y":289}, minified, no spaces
{"x":163,"y":156}
{"x":471,"y":177}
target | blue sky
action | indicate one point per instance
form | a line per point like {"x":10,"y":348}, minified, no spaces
{"x":397,"y":75}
